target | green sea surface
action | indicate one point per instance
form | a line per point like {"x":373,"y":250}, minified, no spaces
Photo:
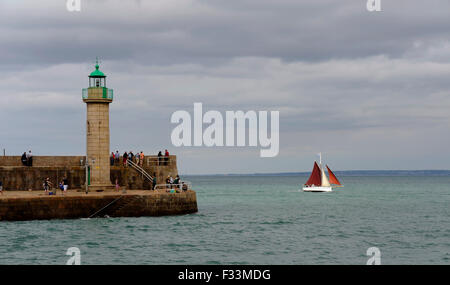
{"x":258,"y":220}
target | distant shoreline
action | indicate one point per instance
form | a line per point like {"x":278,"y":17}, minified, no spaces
{"x":345,"y":173}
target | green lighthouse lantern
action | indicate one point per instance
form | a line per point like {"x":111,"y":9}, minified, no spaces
{"x":97,"y":78}
{"x":97,"y":91}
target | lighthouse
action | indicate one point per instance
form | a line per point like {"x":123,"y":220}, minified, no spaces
{"x":97,"y":98}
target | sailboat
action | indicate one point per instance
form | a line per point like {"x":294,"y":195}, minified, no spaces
{"x":318,"y":181}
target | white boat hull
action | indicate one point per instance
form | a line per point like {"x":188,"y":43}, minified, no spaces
{"x":317,"y":189}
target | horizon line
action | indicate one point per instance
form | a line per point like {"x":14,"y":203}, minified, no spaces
{"x":336,"y":171}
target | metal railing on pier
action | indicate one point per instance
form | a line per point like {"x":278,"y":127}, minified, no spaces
{"x":152,"y":160}
{"x":183,"y":185}
{"x":140,"y":170}
{"x":158,"y":161}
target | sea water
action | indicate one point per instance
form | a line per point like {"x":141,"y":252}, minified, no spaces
{"x":258,"y":220}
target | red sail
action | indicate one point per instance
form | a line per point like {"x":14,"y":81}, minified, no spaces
{"x":333,"y":179}
{"x":315,"y":178}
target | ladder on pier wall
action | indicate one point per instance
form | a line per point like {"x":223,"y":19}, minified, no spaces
{"x":110,"y":211}
{"x":102,"y":210}
{"x":124,"y":205}
{"x":140,"y":170}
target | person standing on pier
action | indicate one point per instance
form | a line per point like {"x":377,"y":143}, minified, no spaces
{"x":166,"y":157}
{"x":47,"y":184}
{"x":141,"y":159}
{"x":117,"y":157}
{"x":154,"y":181}
{"x":130,"y":156}
{"x":169,"y":182}
{"x":137,"y":156}
{"x":125,"y":158}
{"x":24,"y":159}
{"x":159,"y":158}
{"x":111,"y":159}
{"x":29,"y":158}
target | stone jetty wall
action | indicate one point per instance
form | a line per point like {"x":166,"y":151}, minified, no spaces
{"x":45,"y":161}
{"x":17,"y":177}
{"x":84,"y":206}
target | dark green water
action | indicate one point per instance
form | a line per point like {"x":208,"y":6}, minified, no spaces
{"x":258,"y":220}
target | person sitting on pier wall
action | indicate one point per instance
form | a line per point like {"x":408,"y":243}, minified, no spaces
{"x":176,"y":182}
{"x":24,"y":159}
{"x":166,"y":157}
{"x":1,"y":187}
{"x":29,"y":158}
{"x":173,"y":186}
{"x":65,"y":184}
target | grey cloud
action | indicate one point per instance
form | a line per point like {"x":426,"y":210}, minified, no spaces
{"x":170,"y":32}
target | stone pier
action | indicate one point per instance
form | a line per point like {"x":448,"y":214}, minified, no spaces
{"x":23,"y":205}
{"x":93,"y":172}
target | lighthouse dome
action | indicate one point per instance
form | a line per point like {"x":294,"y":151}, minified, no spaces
{"x":97,"y":72}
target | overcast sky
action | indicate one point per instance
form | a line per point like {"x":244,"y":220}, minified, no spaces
{"x":369,"y":90}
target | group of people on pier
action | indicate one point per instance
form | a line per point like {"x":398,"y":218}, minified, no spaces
{"x":138,"y":158}
{"x":175,"y":183}
{"x":172,"y":184}
{"x":165,"y":160}
{"x":116,"y":159}
{"x":63,"y":186}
